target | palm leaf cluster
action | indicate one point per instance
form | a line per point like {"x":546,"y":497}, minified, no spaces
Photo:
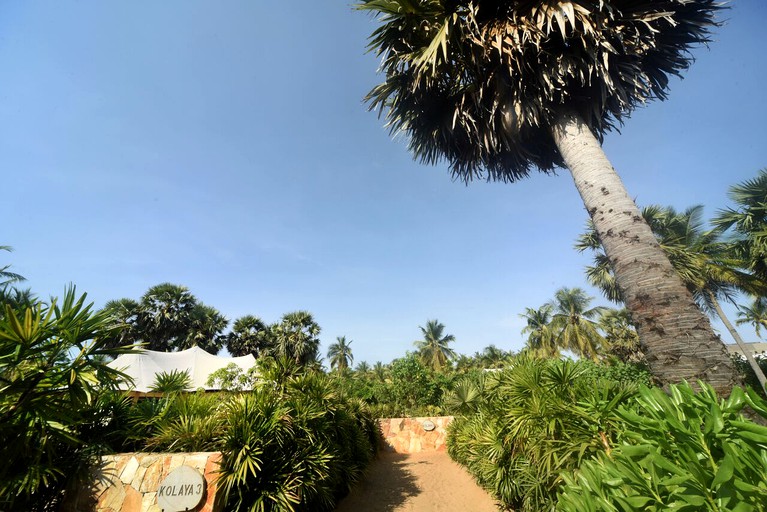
{"x":167,"y":317}
{"x":292,"y":444}
{"x":479,"y":82}
{"x":434,"y":348}
{"x":538,"y":420}
{"x":52,"y":377}
{"x":705,"y":261}
{"x":565,"y":323}
{"x":748,"y":222}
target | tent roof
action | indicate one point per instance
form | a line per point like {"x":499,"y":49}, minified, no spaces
{"x":142,"y":365}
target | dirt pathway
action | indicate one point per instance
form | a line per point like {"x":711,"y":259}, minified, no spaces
{"x":419,"y":482}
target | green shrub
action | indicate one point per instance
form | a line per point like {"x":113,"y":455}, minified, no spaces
{"x":539,"y":419}
{"x":291,"y":444}
{"x":52,"y":373}
{"x":681,"y":451}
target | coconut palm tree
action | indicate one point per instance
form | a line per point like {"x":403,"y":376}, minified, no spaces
{"x":7,"y":277}
{"x":707,"y":265}
{"x":297,"y":337}
{"x":540,"y":341}
{"x":340,"y":354}
{"x":622,"y":338}
{"x":748,"y":221}
{"x":755,"y":314}
{"x":433,"y":349}
{"x":498,"y":88}
{"x":575,"y":325}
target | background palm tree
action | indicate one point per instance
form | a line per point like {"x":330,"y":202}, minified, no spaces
{"x":622,"y":338}
{"x":575,"y":325}
{"x":7,"y":277}
{"x":748,"y":222}
{"x":249,"y":335}
{"x":540,"y":340}
{"x":433,"y":349}
{"x":340,"y":354}
{"x":296,"y":337}
{"x":167,"y":318}
{"x":708,"y":266}
{"x":499,"y":88}
{"x":756,"y":315}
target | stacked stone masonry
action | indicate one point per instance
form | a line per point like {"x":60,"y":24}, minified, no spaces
{"x":128,"y":482}
{"x":407,"y":435}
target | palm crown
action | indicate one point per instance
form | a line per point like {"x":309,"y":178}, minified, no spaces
{"x":480,"y":82}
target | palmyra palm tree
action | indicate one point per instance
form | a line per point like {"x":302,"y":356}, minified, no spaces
{"x":249,"y":335}
{"x":707,"y":265}
{"x":433,"y":349}
{"x":497,"y":88}
{"x":340,"y":354}
{"x":296,"y":337}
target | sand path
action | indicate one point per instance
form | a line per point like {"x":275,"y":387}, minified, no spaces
{"x":419,"y":482}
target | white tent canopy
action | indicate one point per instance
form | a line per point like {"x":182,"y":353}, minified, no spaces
{"x":143,"y":366}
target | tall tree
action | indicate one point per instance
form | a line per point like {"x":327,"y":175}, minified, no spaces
{"x":748,"y":221}
{"x":497,"y":88}
{"x":540,"y":339}
{"x":6,"y":276}
{"x":755,"y":314}
{"x":296,"y":337}
{"x":168,"y":317}
{"x":620,"y":333}
{"x":575,"y":325}
{"x":340,"y":354}
{"x":249,"y":335}
{"x":434,"y":349}
{"x":707,"y":265}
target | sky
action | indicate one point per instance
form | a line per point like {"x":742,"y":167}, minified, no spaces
{"x":225,"y":146}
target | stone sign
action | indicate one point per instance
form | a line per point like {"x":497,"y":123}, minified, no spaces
{"x":183,"y":489}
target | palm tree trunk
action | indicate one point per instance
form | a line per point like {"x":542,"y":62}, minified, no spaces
{"x":736,"y":336}
{"x":676,"y":336}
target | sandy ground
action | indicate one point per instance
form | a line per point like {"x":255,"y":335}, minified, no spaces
{"x":420,"y":482}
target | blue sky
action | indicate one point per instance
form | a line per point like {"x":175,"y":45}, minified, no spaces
{"x":225,"y":146}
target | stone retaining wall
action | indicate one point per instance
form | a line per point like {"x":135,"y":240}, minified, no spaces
{"x":407,"y":435}
{"x":128,"y":482}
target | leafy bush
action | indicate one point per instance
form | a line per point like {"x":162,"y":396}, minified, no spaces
{"x":682,"y":451}
{"x":52,"y":373}
{"x":293,"y":443}
{"x":539,"y":419}
{"x":296,"y":449}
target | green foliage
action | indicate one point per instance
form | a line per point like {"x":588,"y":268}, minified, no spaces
{"x":682,"y":451}
{"x":168,"y":317}
{"x":538,"y":420}
{"x":233,"y":378}
{"x":52,"y":374}
{"x":478,"y":84}
{"x":295,"y":450}
{"x":434,"y":348}
{"x":293,"y":443}
{"x":174,"y":381}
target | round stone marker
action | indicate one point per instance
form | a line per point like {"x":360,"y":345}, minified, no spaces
{"x":181,"y":490}
{"x":428,"y":425}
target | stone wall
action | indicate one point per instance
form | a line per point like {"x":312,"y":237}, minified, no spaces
{"x":128,"y":482}
{"x":407,"y":435}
